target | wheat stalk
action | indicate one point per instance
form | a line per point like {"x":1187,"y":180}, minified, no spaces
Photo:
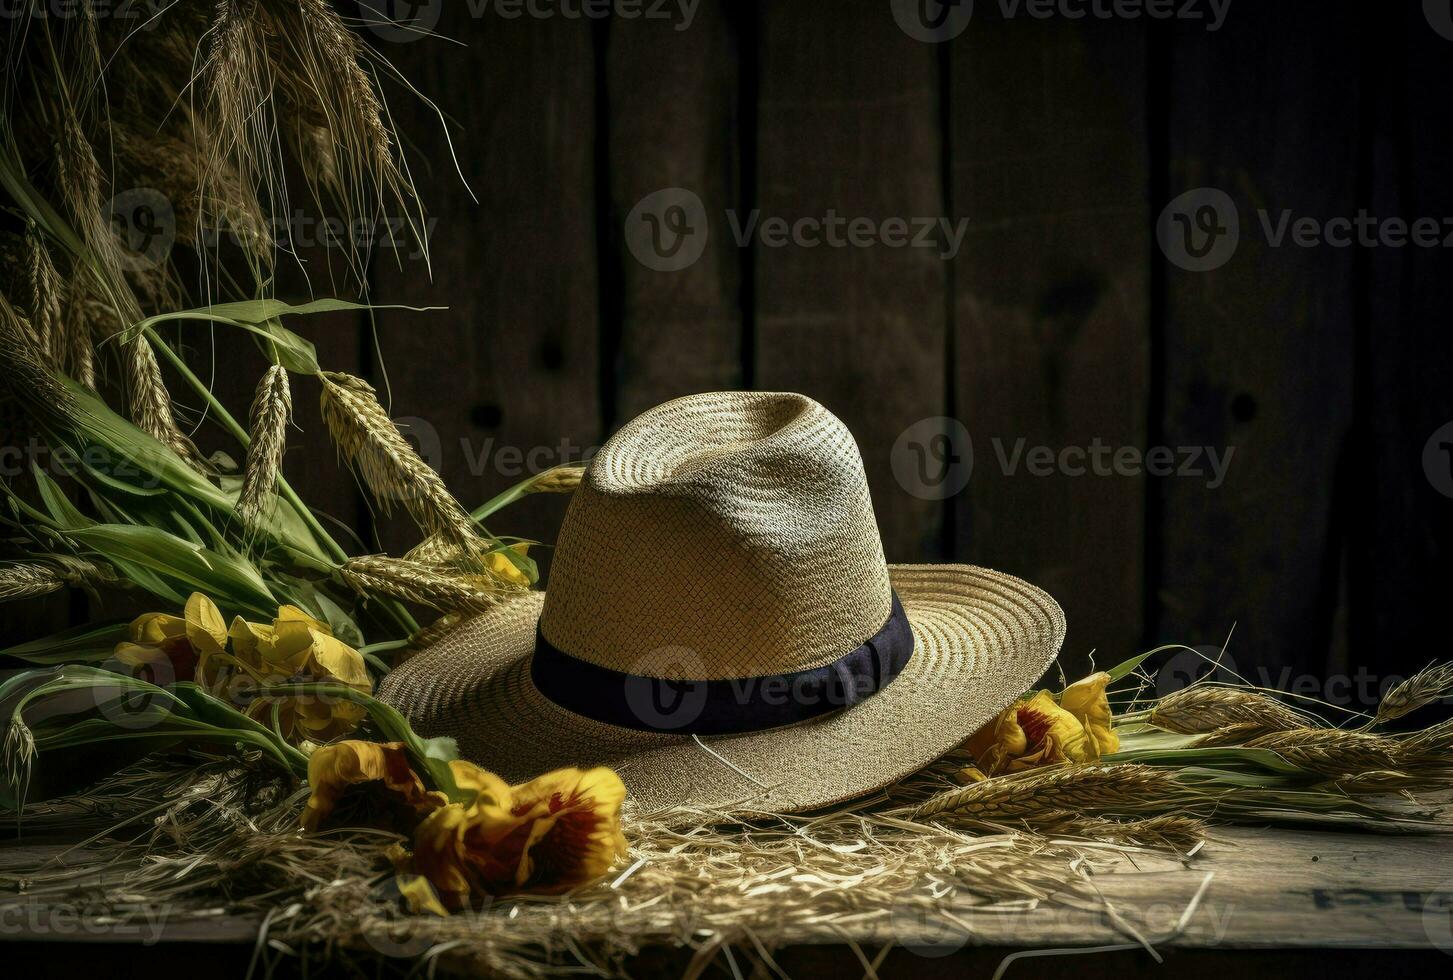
{"x":45,"y":290}
{"x":1423,"y":688}
{"x":367,"y":437}
{"x":1429,"y":750}
{"x":28,"y":579}
{"x":1087,"y":790}
{"x":1332,"y":751}
{"x":26,"y":369}
{"x":271,"y":409}
{"x":238,"y":86}
{"x":421,"y":584}
{"x":1169,"y":831}
{"x":561,"y":479}
{"x":1206,"y":708}
{"x":151,"y":403}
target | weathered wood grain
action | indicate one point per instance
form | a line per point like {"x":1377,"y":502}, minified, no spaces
{"x":1049,"y":151}
{"x":848,"y":125}
{"x":1396,"y":513}
{"x":1256,"y":354}
{"x":673,"y":122}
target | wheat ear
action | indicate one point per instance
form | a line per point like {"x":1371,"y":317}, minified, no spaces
{"x":368,"y":438}
{"x":1123,"y":789}
{"x":151,"y":403}
{"x":1206,"y":708}
{"x":272,"y":408}
{"x":421,"y":584}
{"x":1423,"y":688}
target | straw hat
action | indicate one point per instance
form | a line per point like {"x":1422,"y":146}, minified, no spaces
{"x":721,"y":627}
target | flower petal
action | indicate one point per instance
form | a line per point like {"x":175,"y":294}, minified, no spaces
{"x":156,"y":627}
{"x":205,"y":627}
{"x":358,"y":766}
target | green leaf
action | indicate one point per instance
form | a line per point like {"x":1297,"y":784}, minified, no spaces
{"x":261,"y":317}
{"x":1225,"y":758}
{"x":228,"y":580}
{"x":87,"y":642}
{"x":507,"y":497}
{"x":56,"y":503}
{"x":1124,"y":669}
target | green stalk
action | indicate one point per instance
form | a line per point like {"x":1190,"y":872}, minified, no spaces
{"x":395,"y":609}
{"x":431,"y":756}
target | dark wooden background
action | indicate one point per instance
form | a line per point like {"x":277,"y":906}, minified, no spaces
{"x":1059,"y":321}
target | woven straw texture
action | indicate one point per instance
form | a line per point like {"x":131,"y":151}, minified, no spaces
{"x":734,"y":525}
{"x":723,"y":536}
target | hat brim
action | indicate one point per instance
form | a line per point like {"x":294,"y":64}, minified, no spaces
{"x":981,"y":639}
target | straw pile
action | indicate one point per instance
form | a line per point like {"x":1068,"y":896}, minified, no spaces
{"x":225,"y":841}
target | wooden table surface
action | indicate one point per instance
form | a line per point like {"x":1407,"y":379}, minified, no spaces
{"x":1257,"y":902}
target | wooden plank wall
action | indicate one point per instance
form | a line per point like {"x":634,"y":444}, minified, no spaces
{"x":1049,"y":153}
{"x":1257,"y":353}
{"x":1058,"y":321}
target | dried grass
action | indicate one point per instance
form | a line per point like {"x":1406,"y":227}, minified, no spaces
{"x":222,"y":840}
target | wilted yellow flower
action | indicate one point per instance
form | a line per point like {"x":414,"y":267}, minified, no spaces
{"x":546,"y":836}
{"x":179,"y":642}
{"x":366,"y":784}
{"x":1042,"y":731}
{"x":298,"y":647}
{"x":1087,"y":701}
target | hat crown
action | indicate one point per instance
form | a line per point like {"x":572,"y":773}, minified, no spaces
{"x":720,"y":535}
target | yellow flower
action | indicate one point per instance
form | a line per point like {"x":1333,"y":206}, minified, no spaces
{"x":366,"y":784}
{"x":1087,"y":701}
{"x":547,"y":836}
{"x":1042,"y":731}
{"x":179,"y":642}
{"x":502,"y":567}
{"x":298,"y":647}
